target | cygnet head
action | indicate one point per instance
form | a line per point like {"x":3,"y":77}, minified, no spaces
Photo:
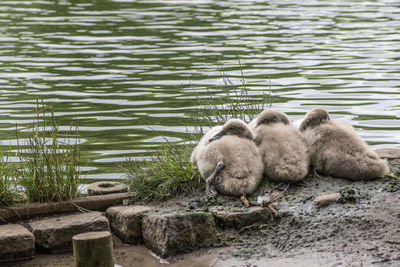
{"x":234,"y":127}
{"x":272,"y":116}
{"x":314,"y":118}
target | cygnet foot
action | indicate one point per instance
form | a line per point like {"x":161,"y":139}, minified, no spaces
{"x":210,"y":189}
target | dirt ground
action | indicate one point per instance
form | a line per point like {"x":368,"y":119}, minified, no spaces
{"x":124,"y":255}
{"x":363,"y":229}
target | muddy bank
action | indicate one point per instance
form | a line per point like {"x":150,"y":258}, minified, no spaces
{"x":365,"y":232}
{"x":362,"y":232}
{"x":362,"y":228}
{"x":125,"y":256}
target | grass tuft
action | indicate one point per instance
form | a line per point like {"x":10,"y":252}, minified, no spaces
{"x":49,"y":168}
{"x":169,"y":173}
{"x":8,"y":193}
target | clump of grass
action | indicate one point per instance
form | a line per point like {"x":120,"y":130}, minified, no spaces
{"x":7,"y":173}
{"x":169,"y":173}
{"x":347,"y":194}
{"x":49,"y":168}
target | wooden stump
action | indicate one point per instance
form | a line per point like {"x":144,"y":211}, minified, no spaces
{"x":93,"y":249}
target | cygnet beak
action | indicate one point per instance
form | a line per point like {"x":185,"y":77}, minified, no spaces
{"x":217,"y":136}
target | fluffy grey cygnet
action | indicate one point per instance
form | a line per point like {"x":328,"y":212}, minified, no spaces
{"x":282,"y":148}
{"x":228,"y":159}
{"x":337,"y":150}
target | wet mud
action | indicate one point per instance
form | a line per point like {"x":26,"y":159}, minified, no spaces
{"x":362,"y":228}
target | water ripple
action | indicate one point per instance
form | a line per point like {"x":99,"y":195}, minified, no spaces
{"x":127,"y":69}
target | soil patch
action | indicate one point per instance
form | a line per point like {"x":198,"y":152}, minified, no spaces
{"x":362,"y":228}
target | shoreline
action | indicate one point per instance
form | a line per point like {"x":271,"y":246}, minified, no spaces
{"x":302,"y":231}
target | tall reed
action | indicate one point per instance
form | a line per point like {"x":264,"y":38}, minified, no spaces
{"x":229,"y":101}
{"x":8,"y":193}
{"x":49,"y":168}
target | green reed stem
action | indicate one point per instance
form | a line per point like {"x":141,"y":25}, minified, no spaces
{"x":49,"y":169}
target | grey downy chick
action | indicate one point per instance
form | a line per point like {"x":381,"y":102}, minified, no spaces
{"x":228,"y":160}
{"x":282,"y":148}
{"x":337,"y":150}
{"x":204,"y":141}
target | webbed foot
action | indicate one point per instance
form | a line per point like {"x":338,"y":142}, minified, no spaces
{"x":210,"y":189}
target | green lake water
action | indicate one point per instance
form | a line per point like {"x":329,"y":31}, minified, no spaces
{"x":127,"y":70}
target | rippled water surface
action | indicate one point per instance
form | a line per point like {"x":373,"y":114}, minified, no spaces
{"x":127,"y":69}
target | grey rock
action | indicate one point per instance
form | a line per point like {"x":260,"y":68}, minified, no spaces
{"x":171,"y":234}
{"x":55,"y":234}
{"x":126,"y":222}
{"x":16,"y":243}
{"x":241,"y":218}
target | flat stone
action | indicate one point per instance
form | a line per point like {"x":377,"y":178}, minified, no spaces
{"x":241,"y":218}
{"x":55,"y":234}
{"x":16,"y":243}
{"x":171,"y":234}
{"x":326,"y":199}
{"x":32,"y":210}
{"x":388,"y":153}
{"x":106,"y":187}
{"x":126,"y":222}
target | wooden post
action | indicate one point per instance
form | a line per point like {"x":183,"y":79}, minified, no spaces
{"x":93,"y":249}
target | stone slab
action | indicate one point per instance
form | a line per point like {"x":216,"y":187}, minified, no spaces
{"x":241,"y":218}
{"x":126,"y":222}
{"x":55,"y":234}
{"x":171,"y":234}
{"x":32,"y":210}
{"x":16,"y":243}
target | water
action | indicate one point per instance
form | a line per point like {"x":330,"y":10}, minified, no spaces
{"x":126,"y":69}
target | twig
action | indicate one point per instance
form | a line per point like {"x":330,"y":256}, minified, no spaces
{"x":245,"y":201}
{"x":269,"y":92}
{"x":268,"y":202}
{"x":79,"y":208}
{"x":275,"y":198}
{"x":270,"y":208}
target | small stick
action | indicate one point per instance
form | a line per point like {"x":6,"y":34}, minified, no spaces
{"x":273,"y":199}
{"x":245,"y":201}
{"x":267,"y":203}
{"x":271,"y":209}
